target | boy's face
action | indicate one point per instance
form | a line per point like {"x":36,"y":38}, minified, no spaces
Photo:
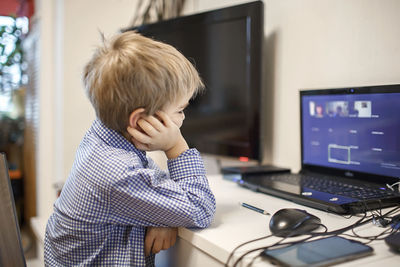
{"x":176,"y":110}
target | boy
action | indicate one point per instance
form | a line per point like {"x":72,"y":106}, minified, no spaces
{"x":117,"y":208}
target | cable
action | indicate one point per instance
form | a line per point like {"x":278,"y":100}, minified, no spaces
{"x":385,"y":223}
{"x":386,"y":232}
{"x":312,"y":235}
{"x":364,"y":219}
{"x":344,"y":229}
{"x":390,"y":186}
{"x":273,"y":245}
{"x":375,"y":216}
{"x":347,"y":216}
{"x":258,"y":239}
{"x":253,"y":259}
{"x":253,"y":250}
{"x":241,"y":245}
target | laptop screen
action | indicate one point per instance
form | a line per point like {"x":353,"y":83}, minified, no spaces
{"x":352,"y":129}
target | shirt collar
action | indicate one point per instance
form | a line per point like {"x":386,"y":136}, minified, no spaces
{"x":115,"y":139}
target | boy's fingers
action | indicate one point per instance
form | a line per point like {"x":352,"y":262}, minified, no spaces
{"x":139,"y":136}
{"x":164,"y":117}
{"x":157,"y":246}
{"x":155,"y":123}
{"x":173,"y":240}
{"x":148,"y":244}
{"x":166,"y":244}
{"x":147,"y":127}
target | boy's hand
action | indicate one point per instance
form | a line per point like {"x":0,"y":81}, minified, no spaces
{"x":159,"y":238}
{"x":158,"y":134}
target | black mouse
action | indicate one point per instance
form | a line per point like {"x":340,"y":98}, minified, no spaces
{"x":293,"y":222}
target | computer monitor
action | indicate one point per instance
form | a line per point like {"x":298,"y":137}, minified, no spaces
{"x":225,"y":45}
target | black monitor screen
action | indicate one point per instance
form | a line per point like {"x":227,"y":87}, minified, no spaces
{"x":225,"y":47}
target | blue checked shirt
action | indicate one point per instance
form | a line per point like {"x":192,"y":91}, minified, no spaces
{"x":113,"y":193}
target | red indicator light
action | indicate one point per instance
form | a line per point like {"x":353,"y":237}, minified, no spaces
{"x":244,"y":159}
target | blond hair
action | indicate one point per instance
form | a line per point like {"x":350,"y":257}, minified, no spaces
{"x":131,"y":71}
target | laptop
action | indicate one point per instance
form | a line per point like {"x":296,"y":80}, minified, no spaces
{"x":350,"y":152}
{"x":11,"y":251}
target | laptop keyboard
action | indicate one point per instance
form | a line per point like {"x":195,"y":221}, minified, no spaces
{"x":329,"y":185}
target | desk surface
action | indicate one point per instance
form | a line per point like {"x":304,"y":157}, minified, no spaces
{"x":234,"y":225}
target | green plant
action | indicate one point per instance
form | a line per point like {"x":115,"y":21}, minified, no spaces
{"x":11,"y":56}
{"x":12,"y":78}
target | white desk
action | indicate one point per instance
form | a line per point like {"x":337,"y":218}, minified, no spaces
{"x":234,"y":225}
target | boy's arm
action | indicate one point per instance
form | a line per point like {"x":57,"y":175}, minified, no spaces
{"x":149,"y":197}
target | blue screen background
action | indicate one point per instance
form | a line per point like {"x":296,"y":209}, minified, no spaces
{"x":357,"y":132}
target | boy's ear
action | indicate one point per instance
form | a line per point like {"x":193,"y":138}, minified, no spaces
{"x":134,"y":117}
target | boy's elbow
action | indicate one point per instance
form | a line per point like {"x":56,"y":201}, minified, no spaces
{"x":205,"y":216}
{"x":204,"y":223}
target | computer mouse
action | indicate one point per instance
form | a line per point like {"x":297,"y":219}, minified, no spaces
{"x":293,"y":222}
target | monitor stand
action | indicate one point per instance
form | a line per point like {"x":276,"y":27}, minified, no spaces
{"x":232,"y":167}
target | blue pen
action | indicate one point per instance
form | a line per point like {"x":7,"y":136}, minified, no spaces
{"x":254,"y":208}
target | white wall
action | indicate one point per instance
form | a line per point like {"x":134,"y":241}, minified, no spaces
{"x":308,"y":44}
{"x":45,"y":139}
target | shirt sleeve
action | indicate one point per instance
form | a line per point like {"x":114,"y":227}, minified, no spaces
{"x":152,"y":197}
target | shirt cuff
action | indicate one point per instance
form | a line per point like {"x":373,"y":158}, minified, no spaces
{"x":189,"y":163}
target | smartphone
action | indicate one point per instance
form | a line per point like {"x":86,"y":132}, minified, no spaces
{"x":319,"y":252}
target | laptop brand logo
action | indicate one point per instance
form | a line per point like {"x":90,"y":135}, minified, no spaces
{"x":349,"y":174}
